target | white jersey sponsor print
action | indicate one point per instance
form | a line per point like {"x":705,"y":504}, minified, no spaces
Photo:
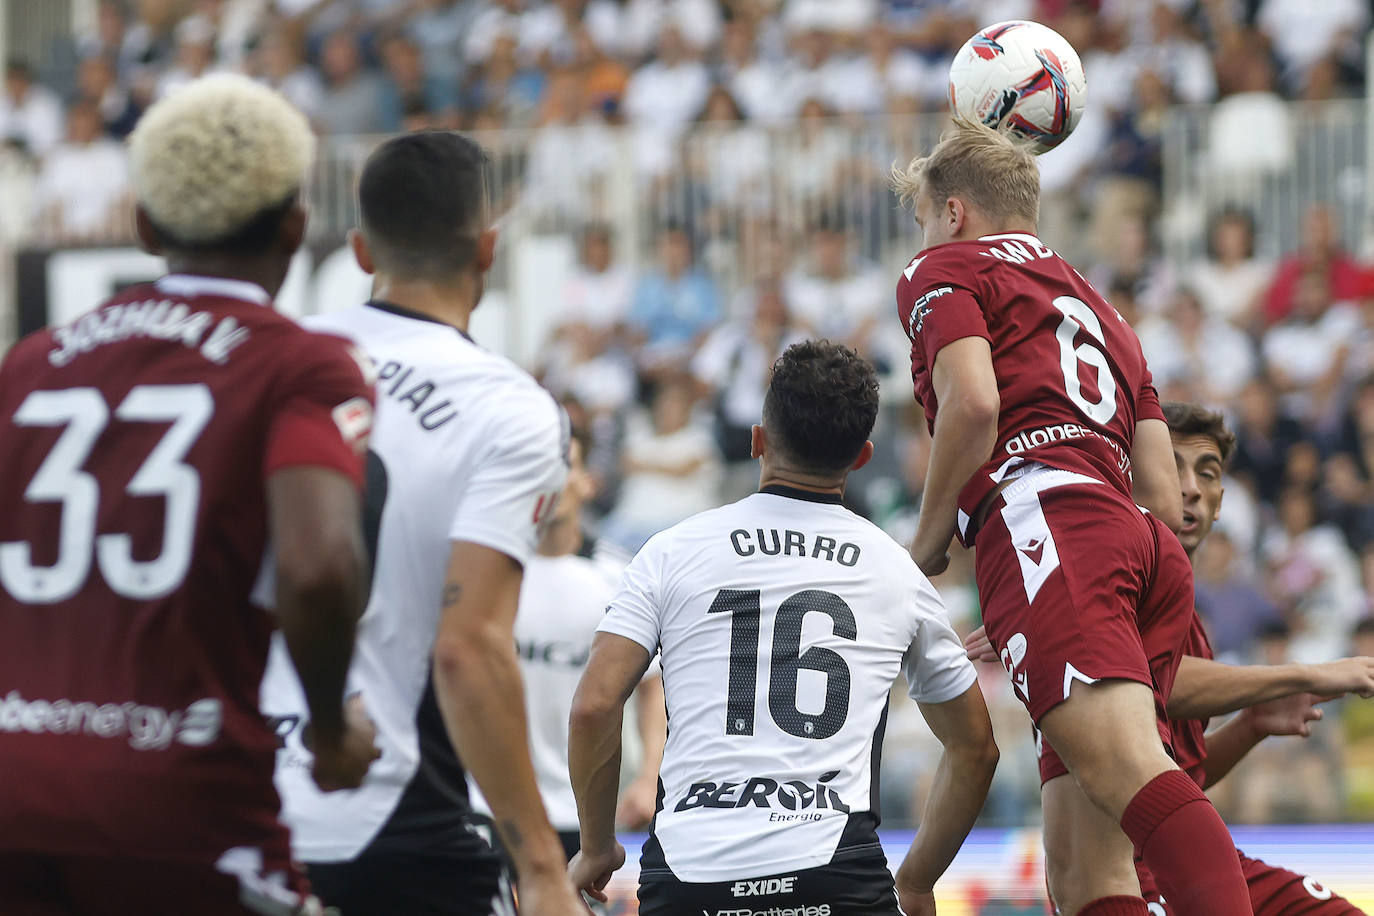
{"x":465,"y":447}
{"x":782,"y":621}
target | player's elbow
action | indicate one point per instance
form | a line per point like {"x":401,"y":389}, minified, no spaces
{"x":327,"y":570}
{"x":592,"y":708}
{"x":464,"y":653}
{"x":977,"y":407}
{"x":975,"y":753}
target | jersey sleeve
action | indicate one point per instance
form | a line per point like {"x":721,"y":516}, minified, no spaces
{"x":323,"y":415}
{"x":1147,"y":406}
{"x":937,"y":302}
{"x":937,"y":669}
{"x":516,"y":482}
{"x":636,"y":610}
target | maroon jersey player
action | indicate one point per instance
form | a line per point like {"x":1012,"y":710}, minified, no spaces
{"x":1273,"y":699}
{"x":1047,"y":432}
{"x":150,"y":447}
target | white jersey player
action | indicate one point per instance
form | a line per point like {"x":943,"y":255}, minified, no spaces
{"x":467,"y":459}
{"x":781,"y":621}
{"x":569,"y":582}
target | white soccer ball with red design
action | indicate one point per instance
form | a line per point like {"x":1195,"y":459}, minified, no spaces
{"x":1023,"y":75}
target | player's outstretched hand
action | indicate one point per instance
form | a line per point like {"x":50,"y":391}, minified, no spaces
{"x":979,"y":647}
{"x":591,"y":873}
{"x":1345,"y":675}
{"x":342,"y":763}
{"x":636,"y":806}
{"x":1287,"y":715}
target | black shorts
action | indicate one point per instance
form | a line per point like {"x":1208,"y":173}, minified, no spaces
{"x":416,"y":884}
{"x":853,"y":887}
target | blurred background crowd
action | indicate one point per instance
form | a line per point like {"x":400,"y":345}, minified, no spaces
{"x":716,"y":171}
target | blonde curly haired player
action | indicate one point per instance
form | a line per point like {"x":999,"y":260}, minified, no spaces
{"x":218,"y":157}
{"x":150,"y":446}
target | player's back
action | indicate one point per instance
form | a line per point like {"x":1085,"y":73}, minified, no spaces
{"x":1071,"y":376}
{"x":782,"y":621}
{"x":465,"y":447}
{"x":137,"y":442}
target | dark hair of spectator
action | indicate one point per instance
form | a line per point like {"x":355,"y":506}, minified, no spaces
{"x":1227,"y":215}
{"x":598,"y":231}
{"x":1366,"y":625}
{"x":1195,"y":420}
{"x":422,"y":203}
{"x":821,"y":403}
{"x":15,"y":68}
{"x":1273,"y":630}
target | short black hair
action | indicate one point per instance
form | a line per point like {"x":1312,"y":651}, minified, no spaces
{"x":253,"y":238}
{"x":1186,"y":419}
{"x":422,"y":203}
{"x":821,"y":403}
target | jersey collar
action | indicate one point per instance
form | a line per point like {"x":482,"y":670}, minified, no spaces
{"x":393,"y":308}
{"x":811,"y":496}
{"x":189,"y":285}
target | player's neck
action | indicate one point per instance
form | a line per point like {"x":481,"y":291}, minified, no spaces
{"x":451,"y":303}
{"x":228,"y":267}
{"x":799,"y":480}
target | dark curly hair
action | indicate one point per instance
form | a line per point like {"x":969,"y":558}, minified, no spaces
{"x":1186,"y":419}
{"x":820,"y":406}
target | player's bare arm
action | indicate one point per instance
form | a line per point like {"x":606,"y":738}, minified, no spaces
{"x":321,"y":585}
{"x":636,"y":806}
{"x":956,"y":795}
{"x":616,"y":665}
{"x":1205,"y":688}
{"x":478,"y":687}
{"x":965,"y":433}
{"x":1154,"y":474}
{"x":1290,"y":715}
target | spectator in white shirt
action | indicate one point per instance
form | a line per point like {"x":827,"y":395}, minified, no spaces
{"x":1231,"y":281}
{"x":756,"y":83}
{"x":278,"y":64}
{"x":83,"y":188}
{"x":668,"y":92}
{"x":195,"y":54}
{"x":1306,"y":352}
{"x":1304,"y":31}
{"x":1197,"y":353}
{"x":836,"y":295}
{"x":30,"y":114}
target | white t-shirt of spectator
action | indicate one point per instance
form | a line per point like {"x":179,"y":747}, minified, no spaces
{"x":1220,"y":357}
{"x":835,"y":308}
{"x":697,"y":20}
{"x":1227,"y":292}
{"x":763,"y":93}
{"x":36,"y":121}
{"x":84,"y":182}
{"x":598,"y":300}
{"x":731,"y":598}
{"x":667,"y":97}
{"x":652,"y":500}
{"x":736,"y":366}
{"x":1304,"y":352}
{"x":1303,"y":31}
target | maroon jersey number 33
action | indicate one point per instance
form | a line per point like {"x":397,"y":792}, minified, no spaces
{"x":133,"y":527}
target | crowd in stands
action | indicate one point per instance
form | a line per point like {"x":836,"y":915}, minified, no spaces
{"x":760,"y":125}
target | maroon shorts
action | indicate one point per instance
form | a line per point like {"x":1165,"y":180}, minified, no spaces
{"x":1079,"y":583}
{"x":1273,"y":892}
{"x":241,"y":885}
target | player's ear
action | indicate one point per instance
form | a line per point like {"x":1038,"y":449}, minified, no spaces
{"x":865,"y":456}
{"x":1220,"y":496}
{"x":148,"y":238}
{"x":757,"y":441}
{"x":361,"y":253}
{"x":955,"y":215}
{"x":486,"y":249}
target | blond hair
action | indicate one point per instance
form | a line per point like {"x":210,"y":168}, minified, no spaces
{"x":209,"y":158}
{"x":991,"y":169}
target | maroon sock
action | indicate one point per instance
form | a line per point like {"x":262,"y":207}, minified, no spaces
{"x":1115,"y":906}
{"x":1181,"y":837}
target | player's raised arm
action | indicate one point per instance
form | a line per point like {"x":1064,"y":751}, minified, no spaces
{"x":965,"y":433}
{"x":616,"y":666}
{"x":1154,"y":476}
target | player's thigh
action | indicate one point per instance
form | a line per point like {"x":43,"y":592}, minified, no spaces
{"x":417,"y":885}
{"x":1277,"y":891}
{"x":1086,"y":854}
{"x":862,"y":887}
{"x":1060,"y":573}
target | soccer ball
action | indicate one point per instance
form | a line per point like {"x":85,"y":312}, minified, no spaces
{"x":1022,"y":75}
